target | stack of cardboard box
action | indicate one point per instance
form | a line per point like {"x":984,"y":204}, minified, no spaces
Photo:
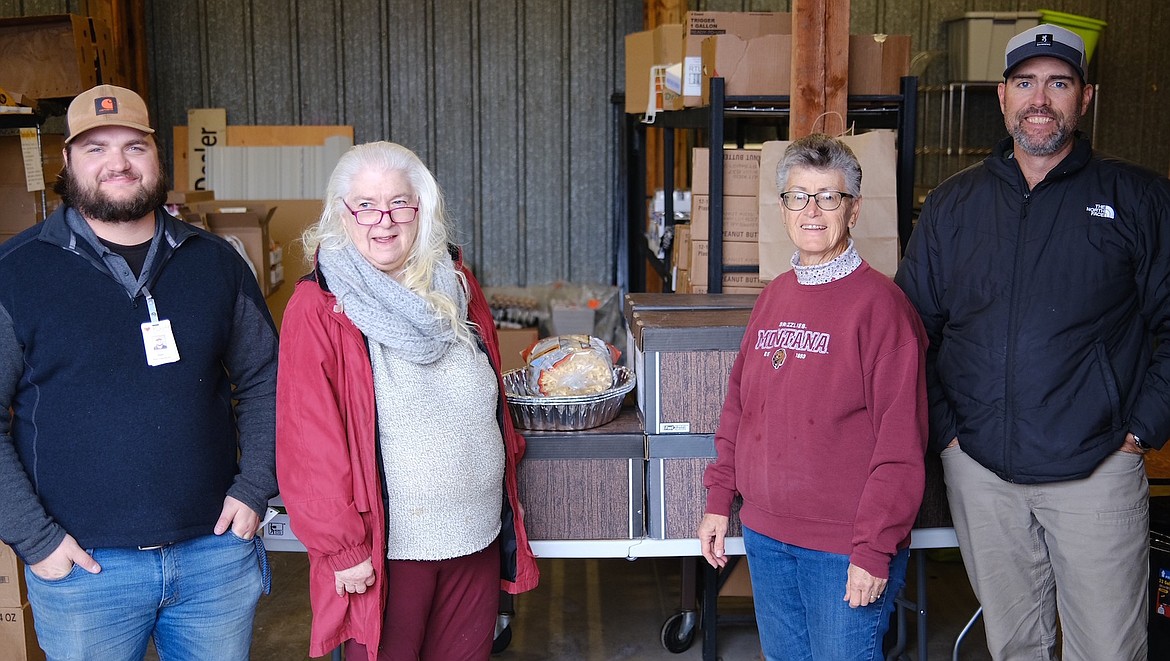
{"x":669,"y":67}
{"x":741,"y":224}
{"x":18,"y":640}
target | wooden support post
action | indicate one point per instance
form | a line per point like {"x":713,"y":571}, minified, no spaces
{"x":820,"y":66}
{"x":126,"y":20}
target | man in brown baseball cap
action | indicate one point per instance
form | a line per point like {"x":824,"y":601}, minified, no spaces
{"x":107,"y":105}
{"x":1041,"y":275}
{"x":132,"y":486}
{"x":113,"y":175}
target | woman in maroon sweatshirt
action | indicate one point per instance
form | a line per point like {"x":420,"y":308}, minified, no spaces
{"x":823,"y":432}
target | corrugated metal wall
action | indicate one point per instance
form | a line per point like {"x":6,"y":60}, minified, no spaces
{"x":509,"y":101}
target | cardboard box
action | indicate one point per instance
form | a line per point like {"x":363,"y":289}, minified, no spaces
{"x":977,"y":41}
{"x":512,"y":342}
{"x":661,"y":46}
{"x":680,"y":248}
{"x":750,"y":284}
{"x":206,"y":127}
{"x":12,"y":166}
{"x":877,"y":63}
{"x":735,"y":253}
{"x":19,"y":209}
{"x":55,"y":56}
{"x":52,"y":157}
{"x":761,"y":66}
{"x":741,"y":172}
{"x":13,"y":591}
{"x":18,"y":638}
{"x":12,"y":158}
{"x":189,"y":197}
{"x":250,"y":225}
{"x":698,"y":25}
{"x":739,"y":583}
{"x":741,"y":218}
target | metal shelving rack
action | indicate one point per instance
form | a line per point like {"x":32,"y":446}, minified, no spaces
{"x":897,"y":111}
{"x":961,"y":123}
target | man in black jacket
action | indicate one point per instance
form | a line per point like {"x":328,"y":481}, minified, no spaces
{"x":1042,"y":276}
{"x":132,"y":486}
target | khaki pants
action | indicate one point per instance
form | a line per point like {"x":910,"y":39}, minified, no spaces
{"x":1078,"y":548}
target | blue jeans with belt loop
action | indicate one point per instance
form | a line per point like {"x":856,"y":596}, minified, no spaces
{"x":196,"y":598}
{"x":800,"y":608}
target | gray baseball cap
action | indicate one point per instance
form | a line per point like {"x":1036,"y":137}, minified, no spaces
{"x":1046,"y":41}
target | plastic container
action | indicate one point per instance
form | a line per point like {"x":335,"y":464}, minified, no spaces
{"x":1088,"y":28}
{"x":978,"y":39}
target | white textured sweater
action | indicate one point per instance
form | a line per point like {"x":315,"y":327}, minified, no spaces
{"x":442,"y":452}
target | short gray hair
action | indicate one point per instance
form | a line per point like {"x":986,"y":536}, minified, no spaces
{"x":818,"y":151}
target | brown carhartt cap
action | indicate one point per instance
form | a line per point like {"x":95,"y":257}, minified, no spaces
{"x":107,"y":105}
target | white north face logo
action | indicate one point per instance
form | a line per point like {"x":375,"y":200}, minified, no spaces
{"x":1101,"y":211}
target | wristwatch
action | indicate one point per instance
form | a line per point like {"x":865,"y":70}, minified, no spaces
{"x":1141,"y":445}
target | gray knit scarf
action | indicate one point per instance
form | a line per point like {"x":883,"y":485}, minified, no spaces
{"x":389,"y":313}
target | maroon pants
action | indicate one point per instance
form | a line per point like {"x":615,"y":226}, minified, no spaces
{"x":439,"y":610}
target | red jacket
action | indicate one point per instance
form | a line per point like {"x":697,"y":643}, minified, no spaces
{"x":327,"y":468}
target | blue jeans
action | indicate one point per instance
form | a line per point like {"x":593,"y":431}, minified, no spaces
{"x":196,"y":598}
{"x":800,"y":610}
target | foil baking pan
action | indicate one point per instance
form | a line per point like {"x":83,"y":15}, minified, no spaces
{"x":568,"y":413}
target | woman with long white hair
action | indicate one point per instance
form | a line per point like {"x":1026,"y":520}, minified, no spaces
{"x":396,"y":457}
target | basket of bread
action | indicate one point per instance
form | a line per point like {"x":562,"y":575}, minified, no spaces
{"x":568,"y":382}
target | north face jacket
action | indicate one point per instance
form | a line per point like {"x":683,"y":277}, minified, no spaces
{"x":1047,"y":311}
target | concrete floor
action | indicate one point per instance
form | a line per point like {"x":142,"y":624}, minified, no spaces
{"x":611,"y":610}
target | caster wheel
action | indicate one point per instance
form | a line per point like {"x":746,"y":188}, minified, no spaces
{"x":678,"y":632}
{"x":503,"y":639}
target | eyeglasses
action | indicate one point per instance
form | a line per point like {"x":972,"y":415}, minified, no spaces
{"x":369,"y":217}
{"x":827,"y":200}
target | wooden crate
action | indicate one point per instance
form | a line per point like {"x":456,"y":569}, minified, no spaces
{"x":584,"y":484}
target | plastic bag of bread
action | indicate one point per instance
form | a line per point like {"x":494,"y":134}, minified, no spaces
{"x":568,"y":365}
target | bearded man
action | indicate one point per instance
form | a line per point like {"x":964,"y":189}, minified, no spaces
{"x":1042,"y":276}
{"x":132,"y":486}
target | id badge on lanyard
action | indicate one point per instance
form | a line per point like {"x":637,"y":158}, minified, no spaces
{"x":157,"y":337}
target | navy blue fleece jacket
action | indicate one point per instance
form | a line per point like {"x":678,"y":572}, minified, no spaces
{"x":98,"y":444}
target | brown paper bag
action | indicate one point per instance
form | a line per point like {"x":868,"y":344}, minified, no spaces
{"x":876,"y":232}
